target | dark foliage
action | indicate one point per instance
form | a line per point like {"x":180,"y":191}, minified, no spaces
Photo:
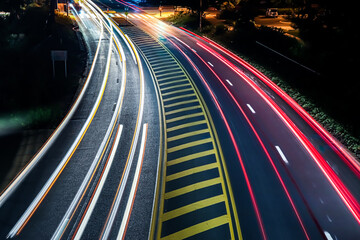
{"x":26,"y":68}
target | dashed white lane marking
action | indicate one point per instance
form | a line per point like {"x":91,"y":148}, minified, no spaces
{"x":282,"y":154}
{"x":210,"y":64}
{"x":328,"y":236}
{"x":251,"y":109}
{"x":228,"y":81}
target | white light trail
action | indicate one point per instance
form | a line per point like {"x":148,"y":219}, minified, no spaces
{"x":135,"y":182}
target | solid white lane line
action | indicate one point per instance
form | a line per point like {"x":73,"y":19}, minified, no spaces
{"x":61,"y":227}
{"x":251,"y":109}
{"x":282,"y":154}
{"x":228,"y":81}
{"x":134,"y":185}
{"x":16,"y":182}
{"x":100,"y":187}
{"x":210,"y":64}
{"x":37,"y":200}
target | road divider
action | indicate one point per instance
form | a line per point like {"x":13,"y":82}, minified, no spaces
{"x":190,"y":145}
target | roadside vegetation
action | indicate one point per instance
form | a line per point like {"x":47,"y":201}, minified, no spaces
{"x":324,"y":40}
{"x":30,"y":97}
{"x":32,"y":101}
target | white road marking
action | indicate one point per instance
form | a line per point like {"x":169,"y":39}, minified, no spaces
{"x":228,"y":81}
{"x":328,"y":236}
{"x":330,"y":220}
{"x":321,"y":201}
{"x":251,"y":109}
{"x":133,"y":186}
{"x":282,"y":154}
{"x":210,"y":64}
{"x":193,"y":50}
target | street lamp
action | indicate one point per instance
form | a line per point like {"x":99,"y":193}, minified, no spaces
{"x":200,"y":13}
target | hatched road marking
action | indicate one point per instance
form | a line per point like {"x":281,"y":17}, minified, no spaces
{"x":192,"y":157}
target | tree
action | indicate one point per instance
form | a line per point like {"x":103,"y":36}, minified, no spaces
{"x":12,"y":6}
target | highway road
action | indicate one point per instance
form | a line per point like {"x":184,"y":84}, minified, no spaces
{"x":83,"y":181}
{"x":176,"y":137}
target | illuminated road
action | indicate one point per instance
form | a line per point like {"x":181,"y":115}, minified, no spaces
{"x":290,"y":178}
{"x":82,"y":183}
{"x":174,"y":138}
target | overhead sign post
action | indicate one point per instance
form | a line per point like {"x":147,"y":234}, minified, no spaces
{"x":59,"y":55}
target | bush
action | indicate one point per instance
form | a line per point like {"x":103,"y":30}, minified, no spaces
{"x":228,"y":14}
{"x":189,"y":20}
{"x":26,"y":45}
{"x":275,"y":38}
{"x":220,"y":29}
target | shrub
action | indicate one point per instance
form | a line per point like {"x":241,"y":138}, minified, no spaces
{"x":220,"y":29}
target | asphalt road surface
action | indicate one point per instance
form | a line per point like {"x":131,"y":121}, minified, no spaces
{"x":175,"y":137}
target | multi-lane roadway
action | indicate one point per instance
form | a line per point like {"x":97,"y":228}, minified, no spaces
{"x":175,"y":137}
